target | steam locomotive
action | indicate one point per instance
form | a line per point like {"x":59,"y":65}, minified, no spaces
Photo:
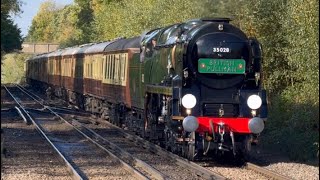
{"x":195,"y":87}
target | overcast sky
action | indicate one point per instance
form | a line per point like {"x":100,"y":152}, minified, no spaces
{"x":30,"y":9}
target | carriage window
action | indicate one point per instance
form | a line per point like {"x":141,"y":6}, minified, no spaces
{"x":51,"y":67}
{"x":105,"y":67}
{"x":62,"y":67}
{"x":116,"y":73}
{"x":86,"y":67}
{"x":73,"y":67}
{"x":57,"y":66}
{"x":94,"y":73}
{"x":54,"y":67}
{"x":101,"y":69}
{"x":67,"y":67}
{"x":109,"y":66}
{"x":87,"y":70}
{"x":52,"y":64}
{"x":124,"y":62}
{"x":65,"y":70}
{"x":91,"y":68}
{"x":112,"y":66}
{"x":70,"y":67}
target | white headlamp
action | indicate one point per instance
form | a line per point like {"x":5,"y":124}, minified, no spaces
{"x":254,"y":101}
{"x":189,"y":101}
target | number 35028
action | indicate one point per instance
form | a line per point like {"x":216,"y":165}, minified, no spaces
{"x":221,"y":49}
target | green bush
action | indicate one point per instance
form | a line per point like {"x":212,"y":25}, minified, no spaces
{"x":12,"y":67}
{"x":289,"y":33}
{"x":293,"y":128}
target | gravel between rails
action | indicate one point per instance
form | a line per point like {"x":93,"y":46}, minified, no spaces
{"x":237,"y":173}
{"x":91,"y":160}
{"x":272,"y":161}
{"x":163,"y":164}
{"x":281,"y":164}
{"x":28,"y":156}
{"x":296,"y":171}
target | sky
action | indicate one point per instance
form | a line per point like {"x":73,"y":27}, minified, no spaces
{"x":30,"y":9}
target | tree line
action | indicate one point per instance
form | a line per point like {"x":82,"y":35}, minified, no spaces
{"x":11,"y":38}
{"x":288,"y":31}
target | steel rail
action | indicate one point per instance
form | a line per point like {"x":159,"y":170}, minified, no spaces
{"x":157,"y":174}
{"x":21,"y":114}
{"x":266,"y":172}
{"x":129,"y":168}
{"x":74,"y":174}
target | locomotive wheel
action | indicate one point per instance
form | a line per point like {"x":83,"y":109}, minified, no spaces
{"x":145,"y":129}
{"x":145,"y":124}
{"x":191,"y":152}
{"x":191,"y":147}
{"x":245,"y":152}
{"x":151,"y":112}
{"x":114,"y":119}
{"x":166,"y":141}
{"x":147,"y":120}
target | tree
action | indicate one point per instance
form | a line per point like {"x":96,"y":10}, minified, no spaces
{"x":68,"y":26}
{"x":43,"y":24}
{"x":68,"y":34}
{"x":133,"y":17}
{"x":10,"y":6}
{"x":85,"y":20}
{"x":10,"y":34}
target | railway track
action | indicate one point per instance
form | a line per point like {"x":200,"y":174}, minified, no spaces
{"x":165,"y":166}
{"x":247,"y":171}
{"x":75,"y":149}
{"x":265,"y":171}
{"x":128,"y":147}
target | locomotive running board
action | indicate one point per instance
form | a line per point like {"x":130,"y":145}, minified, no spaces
{"x":159,"y":89}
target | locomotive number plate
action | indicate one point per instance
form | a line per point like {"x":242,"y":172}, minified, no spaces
{"x":222,"y":66}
